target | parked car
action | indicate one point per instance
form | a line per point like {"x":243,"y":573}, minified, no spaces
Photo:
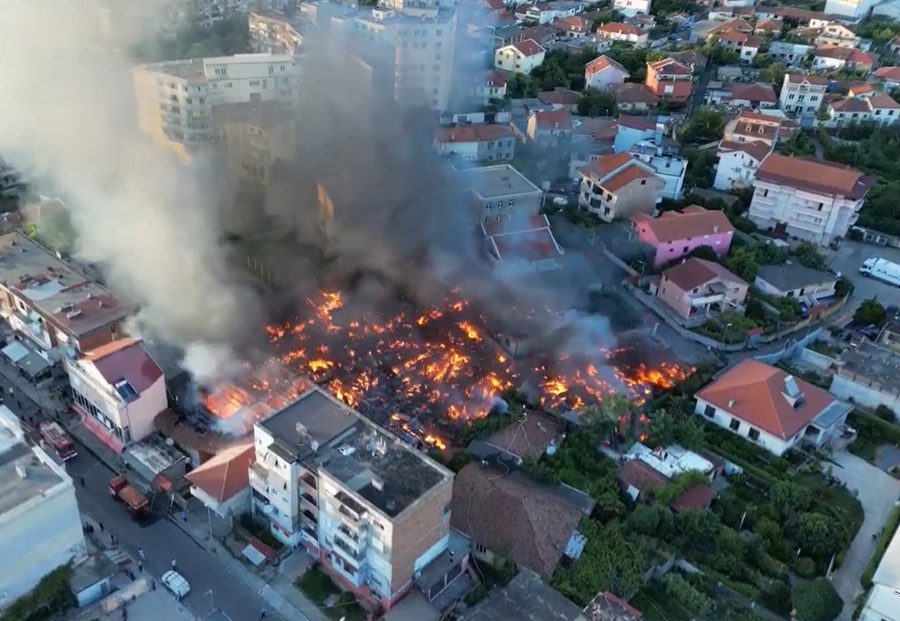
{"x":176,"y":583}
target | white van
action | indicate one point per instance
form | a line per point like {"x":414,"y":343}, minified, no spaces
{"x":176,"y":583}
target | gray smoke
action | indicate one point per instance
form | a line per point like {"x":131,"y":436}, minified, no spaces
{"x":67,"y":113}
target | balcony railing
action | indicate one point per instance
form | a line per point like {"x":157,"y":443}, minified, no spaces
{"x":707,"y":299}
{"x":348,"y":552}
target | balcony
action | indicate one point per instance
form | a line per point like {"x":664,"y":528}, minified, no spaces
{"x":706,"y":300}
{"x":308,"y":503}
{"x":259,"y":477}
{"x":346,"y":551}
{"x":353,"y":538}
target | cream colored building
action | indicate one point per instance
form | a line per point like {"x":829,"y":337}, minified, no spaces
{"x":273,"y":32}
{"x":619,"y":186}
{"x":175,"y":99}
{"x":40,"y":526}
{"x":423,"y":42}
{"x":255,"y":137}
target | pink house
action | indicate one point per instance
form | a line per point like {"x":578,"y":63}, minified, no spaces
{"x":694,"y":288}
{"x":676,"y":233}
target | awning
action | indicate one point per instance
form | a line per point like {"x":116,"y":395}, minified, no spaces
{"x":15,"y":351}
{"x":33,"y":364}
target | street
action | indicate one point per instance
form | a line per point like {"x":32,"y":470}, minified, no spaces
{"x":212,"y":585}
{"x":847,"y":260}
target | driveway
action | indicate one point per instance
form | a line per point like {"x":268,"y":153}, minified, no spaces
{"x":847,"y":260}
{"x":877,"y":491}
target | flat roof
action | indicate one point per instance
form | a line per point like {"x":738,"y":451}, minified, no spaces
{"x":500,"y":180}
{"x":888,"y":572}
{"x":883,"y":601}
{"x":382,"y":470}
{"x":872,"y":364}
{"x":156,"y":456}
{"x":313,"y":418}
{"x":15,"y":490}
{"x":670,"y":461}
{"x":526,"y":598}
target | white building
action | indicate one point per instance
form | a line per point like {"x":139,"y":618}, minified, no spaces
{"x":669,"y":168}
{"x":175,"y":99}
{"x":855,"y":9}
{"x":374,"y":510}
{"x":670,"y":461}
{"x":221,"y":483}
{"x":521,"y":57}
{"x":883,"y":602}
{"x":771,"y":408}
{"x":802,"y":94}
{"x":877,"y":108}
{"x":793,"y":280}
{"x":10,"y":180}
{"x":630,"y":8}
{"x":738,"y":163}
{"x":810,"y":200}
{"x":603,"y":71}
{"x":119,"y":390}
{"x":40,"y":526}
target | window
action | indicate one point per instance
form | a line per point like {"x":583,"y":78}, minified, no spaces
{"x":254,"y":82}
{"x":753,"y":434}
{"x":735,"y":424}
{"x":447,"y":509}
{"x":643,"y":182}
{"x":487,"y":206}
{"x":709,"y":412}
{"x":512,"y":202}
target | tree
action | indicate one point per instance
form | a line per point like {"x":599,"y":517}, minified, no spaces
{"x":870,"y":312}
{"x":809,"y":256}
{"x":520,"y":85}
{"x":817,"y":535}
{"x":742,"y":263}
{"x":790,"y":498}
{"x":690,"y":433}
{"x":774,"y":75}
{"x":697,"y":526}
{"x":844,"y":286}
{"x":816,"y":600}
{"x":597,"y":103}
{"x":707,"y":124}
{"x":644,"y":520}
{"x":686,"y":594}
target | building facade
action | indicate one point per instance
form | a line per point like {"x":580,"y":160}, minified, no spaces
{"x":175,"y":99}
{"x":802,"y":94}
{"x":273,"y":33}
{"x":40,"y":526}
{"x":501,"y":193}
{"x":374,"y":510}
{"x":521,"y":57}
{"x":619,"y":186}
{"x":256,"y":137}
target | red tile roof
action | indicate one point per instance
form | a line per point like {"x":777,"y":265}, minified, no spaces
{"x":690,"y":223}
{"x":753,"y":42}
{"x":528,"y":47}
{"x":125,"y":359}
{"x":763,"y":93}
{"x":631,"y":174}
{"x":574,"y":23}
{"x":472,"y":133}
{"x":756,"y":149}
{"x":692,"y":273}
{"x":226,"y":474}
{"x":637,"y":122}
{"x":815,"y":80}
{"x":619,"y":28}
{"x":529,"y":239}
{"x":641,"y":476}
{"x":491,"y":78}
{"x":680,"y":90}
{"x":633,"y":93}
{"x":754,"y":392}
{"x":733,"y":35}
{"x":607,"y":164}
{"x":603,"y":62}
{"x":669,"y":66}
{"x":694,"y":499}
{"x":553,"y":119}
{"x":888,"y":73}
{"x":814,"y":176}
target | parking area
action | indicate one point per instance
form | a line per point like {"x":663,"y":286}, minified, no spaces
{"x":847,"y":260}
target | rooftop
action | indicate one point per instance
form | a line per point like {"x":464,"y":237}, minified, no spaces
{"x":696,"y":498}
{"x":768,"y":398}
{"x":670,"y":461}
{"x":155,"y":454}
{"x":756,"y":149}
{"x":815,"y":176}
{"x":873,"y":366}
{"x":381,"y":469}
{"x":888,"y":572}
{"x":500,"y":180}
{"x":16,"y":490}
{"x":607,"y":607}
{"x":480,"y":132}
{"x":526,"y":598}
{"x":226,"y":474}
{"x":310,"y":422}
{"x":125,"y":366}
{"x":694,"y":272}
{"x":639,"y":476}
{"x":528,"y":239}
{"x":693,"y":221}
{"x":793,"y":276}
{"x":528,"y":47}
{"x":529,"y":439}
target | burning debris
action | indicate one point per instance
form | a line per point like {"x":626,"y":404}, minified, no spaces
{"x":441,"y":366}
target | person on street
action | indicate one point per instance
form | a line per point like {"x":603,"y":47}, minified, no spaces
{"x":100,"y":524}
{"x":140,"y":565}
{"x":174,"y":565}
{"x":263,"y":613}
{"x":141,"y":554}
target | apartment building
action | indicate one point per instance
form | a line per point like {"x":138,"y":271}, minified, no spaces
{"x":423,"y":42}
{"x":802,"y":94}
{"x":521,"y":57}
{"x":175,"y":99}
{"x":256,"y":137}
{"x":40,"y":526}
{"x":483,"y":142}
{"x":678,"y":233}
{"x":501,"y":193}
{"x":375,"y":511}
{"x":52,"y":306}
{"x":668,"y":167}
{"x":807,"y":199}
{"x":854,"y":9}
{"x":836,"y":34}
{"x":10,"y":180}
{"x":669,"y":79}
{"x":619,"y":186}
{"x":118,"y":390}
{"x":738,"y":163}
{"x":272,"y":32}
{"x":753,"y":127}
{"x":877,"y":108}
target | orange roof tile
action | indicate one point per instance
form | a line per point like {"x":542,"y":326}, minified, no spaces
{"x":619,"y":28}
{"x":472,"y":133}
{"x":602,"y":62}
{"x":694,"y":272}
{"x":693,"y":222}
{"x":226,"y":474}
{"x":528,"y":47}
{"x":814,"y":176}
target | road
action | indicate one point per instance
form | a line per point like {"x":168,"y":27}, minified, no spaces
{"x":847,"y":260}
{"x":212,"y":585}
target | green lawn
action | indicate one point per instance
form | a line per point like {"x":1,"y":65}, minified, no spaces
{"x":318,"y":586}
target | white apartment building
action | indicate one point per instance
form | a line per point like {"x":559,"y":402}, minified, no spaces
{"x":669,"y":168}
{"x":40,"y":526}
{"x":273,"y":33}
{"x":423,"y":42}
{"x":630,"y":8}
{"x":175,"y":99}
{"x":374,"y":510}
{"x":810,"y":200}
{"x":119,"y":390}
{"x":855,"y":9}
{"x":802,"y":94}
{"x":878,"y":108}
{"x":738,"y":163}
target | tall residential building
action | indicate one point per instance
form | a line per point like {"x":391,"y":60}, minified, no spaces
{"x":256,"y":137}
{"x":423,"y":43}
{"x":374,"y":510}
{"x":274,"y":33}
{"x":40,"y":527}
{"x":10,"y":180}
{"x":855,"y":9}
{"x":175,"y":99}
{"x":802,"y":94}
{"x":814,"y":201}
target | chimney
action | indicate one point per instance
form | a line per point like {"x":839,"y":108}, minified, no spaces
{"x":731,"y":403}
{"x":715,"y":228}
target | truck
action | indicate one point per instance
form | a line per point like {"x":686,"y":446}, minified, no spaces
{"x":58,"y":440}
{"x":137,"y":504}
{"x":881,"y":269}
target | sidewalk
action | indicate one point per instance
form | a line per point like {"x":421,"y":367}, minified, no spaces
{"x":280,"y":593}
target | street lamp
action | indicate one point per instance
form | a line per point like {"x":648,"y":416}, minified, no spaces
{"x":212,"y":600}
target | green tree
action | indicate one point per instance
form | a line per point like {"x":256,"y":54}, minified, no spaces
{"x":808,"y":255}
{"x":697,"y":526}
{"x":870,"y":312}
{"x":644,"y":520}
{"x":686,"y":594}
{"x":817,"y":535}
{"x":790,"y":498}
{"x":597,"y":103}
{"x":661,"y":430}
{"x":774,"y":75}
{"x":520,"y":85}
{"x":742,"y":262}
{"x":816,"y":600}
{"x":690,"y":433}
{"x":706,"y":125}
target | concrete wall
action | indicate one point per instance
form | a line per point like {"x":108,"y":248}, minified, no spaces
{"x":860,"y":390}
{"x":815,"y":359}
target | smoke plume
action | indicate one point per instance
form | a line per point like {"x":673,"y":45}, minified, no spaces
{"x":67,"y":115}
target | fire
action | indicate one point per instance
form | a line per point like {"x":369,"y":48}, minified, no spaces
{"x":438,"y":363}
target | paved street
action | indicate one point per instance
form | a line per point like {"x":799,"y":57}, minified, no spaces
{"x":212,"y":585}
{"x":847,"y":260}
{"x":877,"y":491}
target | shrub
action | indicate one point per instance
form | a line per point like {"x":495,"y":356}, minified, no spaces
{"x":886,"y":535}
{"x":689,"y":596}
{"x":805,"y":567}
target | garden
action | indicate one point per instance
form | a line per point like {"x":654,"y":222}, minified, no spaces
{"x":872,"y":432}
{"x":332,"y":600}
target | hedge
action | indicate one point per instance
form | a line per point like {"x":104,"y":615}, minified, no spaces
{"x":887,"y":534}
{"x":888,"y":431}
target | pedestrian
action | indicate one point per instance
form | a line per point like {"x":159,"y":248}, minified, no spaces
{"x":184,"y":516}
{"x":140,"y":565}
{"x":174,"y":565}
{"x":263,"y":613}
{"x":100,"y":524}
{"x":141,"y":554}
{"x":152,"y":584}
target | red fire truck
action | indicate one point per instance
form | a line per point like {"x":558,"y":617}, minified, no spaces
{"x":58,"y":440}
